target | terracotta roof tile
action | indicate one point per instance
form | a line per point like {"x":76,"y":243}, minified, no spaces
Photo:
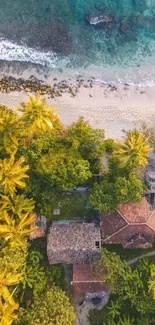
{"x":126,"y":233}
{"x":139,"y":241}
{"x":90,"y":287}
{"x":83,"y":272}
{"x":151,"y":220}
{"x":84,"y":280}
{"x":111,"y":224}
{"x":135,"y":212}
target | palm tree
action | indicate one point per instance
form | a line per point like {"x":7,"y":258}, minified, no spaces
{"x":145,"y":319}
{"x":126,"y":320}
{"x":151,"y":282}
{"x":9,"y":129}
{"x":114,"y":309}
{"x":7,"y":303}
{"x":18,"y":205}
{"x":7,"y":315}
{"x":15,"y":231}
{"x":134,"y":151}
{"x":37,"y":115}
{"x":12,"y":174}
{"x":8,"y":279}
{"x":110,"y":322}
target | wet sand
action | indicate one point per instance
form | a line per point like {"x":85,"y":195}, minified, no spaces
{"x":112,"y":107}
{"x":121,"y":109}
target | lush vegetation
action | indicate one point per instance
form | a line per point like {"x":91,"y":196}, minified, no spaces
{"x":122,"y":182}
{"x":51,"y":307}
{"x":41,"y":163}
{"x":118,"y":185}
{"x":132,"y":301}
{"x":133,"y":152}
{"x":25,"y":277}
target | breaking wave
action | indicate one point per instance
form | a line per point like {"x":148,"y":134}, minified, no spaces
{"x":10,"y":51}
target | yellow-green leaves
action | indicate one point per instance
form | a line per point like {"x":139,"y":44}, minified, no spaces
{"x":15,"y":231}
{"x":152,"y":281}
{"x":9,"y":131}
{"x":50,"y":308}
{"x":18,"y":205}
{"x":12,"y":174}
{"x":7,"y":312}
{"x":37,"y":115}
{"x":134,"y":151}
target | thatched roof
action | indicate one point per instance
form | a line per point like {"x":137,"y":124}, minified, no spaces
{"x":73,"y":243}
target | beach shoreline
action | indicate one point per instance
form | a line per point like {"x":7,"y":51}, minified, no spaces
{"x":112,"y":108}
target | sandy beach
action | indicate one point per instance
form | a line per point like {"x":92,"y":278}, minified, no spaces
{"x":113,"y":109}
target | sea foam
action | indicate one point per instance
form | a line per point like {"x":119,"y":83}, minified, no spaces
{"x":10,"y":51}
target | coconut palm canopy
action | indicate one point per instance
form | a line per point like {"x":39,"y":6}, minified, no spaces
{"x":15,"y":231}
{"x":9,"y":130}
{"x":12,"y":174}
{"x":134,"y":151}
{"x":19,"y":205}
{"x":7,"y":315}
{"x":7,"y":303}
{"x":37,"y":115}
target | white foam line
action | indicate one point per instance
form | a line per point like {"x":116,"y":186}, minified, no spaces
{"x":14,"y":52}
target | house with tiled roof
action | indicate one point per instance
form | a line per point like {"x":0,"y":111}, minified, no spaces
{"x":78,"y":244}
{"x":73,"y":243}
{"x":84,"y":280}
{"x":132,"y":225}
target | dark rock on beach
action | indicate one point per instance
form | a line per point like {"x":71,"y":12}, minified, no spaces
{"x":32,"y":85}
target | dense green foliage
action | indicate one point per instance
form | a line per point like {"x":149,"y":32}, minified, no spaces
{"x":61,"y":159}
{"x":134,"y":151}
{"x":110,"y":145}
{"x":51,"y":307}
{"x":41,"y":164}
{"x":38,"y":274}
{"x":24,"y":269}
{"x":88,"y":141}
{"x":131,"y":301}
{"x":63,"y":169}
{"x":118,"y":185}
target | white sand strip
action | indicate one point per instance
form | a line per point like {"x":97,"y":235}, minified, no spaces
{"x":124,"y":108}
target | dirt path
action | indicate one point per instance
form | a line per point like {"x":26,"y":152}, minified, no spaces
{"x":136,"y":259}
{"x":83,"y":311}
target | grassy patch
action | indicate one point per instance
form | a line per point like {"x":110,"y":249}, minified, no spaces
{"x":127,"y":254}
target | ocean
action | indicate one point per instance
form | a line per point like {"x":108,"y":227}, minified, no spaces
{"x":111,"y":40}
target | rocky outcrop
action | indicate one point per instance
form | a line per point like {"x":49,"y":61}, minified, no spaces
{"x":103,"y":20}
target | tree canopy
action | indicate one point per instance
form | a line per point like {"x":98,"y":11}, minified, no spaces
{"x":107,"y":194}
{"x":134,"y":151}
{"x":12,"y":174}
{"x":52,"y":307}
{"x":131,"y":301}
{"x":85,"y":139}
{"x":37,"y":115}
{"x":41,"y":159}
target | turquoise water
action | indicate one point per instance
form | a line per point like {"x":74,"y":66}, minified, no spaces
{"x":58,"y":29}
